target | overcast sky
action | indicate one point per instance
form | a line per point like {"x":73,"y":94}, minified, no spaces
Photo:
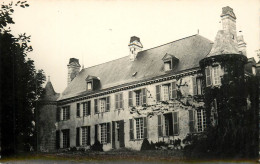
{"x":99,"y":31}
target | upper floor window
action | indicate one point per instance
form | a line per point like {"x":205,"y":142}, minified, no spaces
{"x":165,"y":92}
{"x":197,"y":86}
{"x":169,"y":61}
{"x":78,"y":110}
{"x":213,"y":75}
{"x":137,"y":97}
{"x":167,"y":65}
{"x":119,"y":101}
{"x":63,"y":113}
{"x":89,"y":85}
{"x":102,"y":105}
{"x":86,"y":108}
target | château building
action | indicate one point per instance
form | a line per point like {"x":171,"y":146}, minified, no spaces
{"x":155,"y":93}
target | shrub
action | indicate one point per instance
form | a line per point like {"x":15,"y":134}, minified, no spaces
{"x":97,"y":146}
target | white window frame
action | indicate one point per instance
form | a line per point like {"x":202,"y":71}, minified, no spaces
{"x":138,"y":97}
{"x":65,"y":138}
{"x":103,"y":133}
{"x":168,"y":65}
{"x":102,"y":105}
{"x":216,"y":80}
{"x":166,"y":91}
{"x":201,"y":120}
{"x":84,"y":135}
{"x":89,"y":85}
{"x":139,"y":128}
{"x":65,"y":113}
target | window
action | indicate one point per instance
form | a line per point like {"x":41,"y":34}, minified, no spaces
{"x":197,"y":89}
{"x":65,"y":113}
{"x":139,"y":128}
{"x":89,"y":85}
{"x":216,"y":75}
{"x":254,"y":70}
{"x":117,"y":130}
{"x":78,"y":109}
{"x":201,"y":120}
{"x":105,"y":133}
{"x":65,"y":138}
{"x":86,"y":108}
{"x":85,"y":131}
{"x":102,"y":105}
{"x":119,"y":100}
{"x":167,"y":65}
{"x":168,"y":124}
{"x":166,"y":92}
{"x":139,"y":97}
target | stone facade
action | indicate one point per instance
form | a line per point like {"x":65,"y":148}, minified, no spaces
{"x":162,"y":102}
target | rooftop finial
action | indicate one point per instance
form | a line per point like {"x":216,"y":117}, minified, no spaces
{"x":49,"y":79}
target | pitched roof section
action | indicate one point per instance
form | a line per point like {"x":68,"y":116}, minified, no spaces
{"x":224,"y":44}
{"x":149,"y":63}
{"x":50,"y":94}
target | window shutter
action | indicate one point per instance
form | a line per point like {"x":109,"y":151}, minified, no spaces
{"x":130,"y":98}
{"x":191,"y":121}
{"x":175,"y":123}
{"x":116,"y":97}
{"x":57,"y":139}
{"x":121,"y":133}
{"x":195,"y":88}
{"x":108,"y":103}
{"x":68,"y":112}
{"x":121,"y":100}
{"x":96,"y":105}
{"x":144,"y":95}
{"x":89,"y":108}
{"x":77,"y":137}
{"x":58,"y":114}
{"x":160,"y":126}
{"x":96,"y":132}
{"x":131,"y":123}
{"x":158,"y":93}
{"x":208,"y":78}
{"x":88,"y":141}
{"x":145,"y":127}
{"x":113,"y":135}
{"x":108,"y":133}
{"x":78,"y":109}
{"x":174,"y":90}
{"x":68,"y":137}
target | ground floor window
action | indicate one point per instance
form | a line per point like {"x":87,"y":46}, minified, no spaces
{"x":168,"y":124}
{"x":105,"y":133}
{"x":139,"y":128}
{"x":85,"y":135}
{"x":201,"y":120}
{"x":65,"y":138}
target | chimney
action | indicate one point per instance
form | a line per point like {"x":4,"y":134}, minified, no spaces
{"x":135,"y":46}
{"x":241,"y":44}
{"x":73,"y":69}
{"x":228,"y":19}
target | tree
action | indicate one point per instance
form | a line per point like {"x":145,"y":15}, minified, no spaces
{"x":21,"y":86}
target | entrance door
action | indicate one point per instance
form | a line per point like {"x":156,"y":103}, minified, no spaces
{"x":118,"y":136}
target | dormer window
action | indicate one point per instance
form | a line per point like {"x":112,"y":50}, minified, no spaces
{"x":89,"y":85}
{"x":167,"y":65}
{"x":92,"y":83}
{"x":170,"y":61}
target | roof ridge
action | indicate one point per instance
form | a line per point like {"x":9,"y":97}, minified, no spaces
{"x":171,"y":42}
{"x":144,"y":50}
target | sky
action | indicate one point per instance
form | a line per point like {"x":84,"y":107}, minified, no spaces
{"x":99,"y":31}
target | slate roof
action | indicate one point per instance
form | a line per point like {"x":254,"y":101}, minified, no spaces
{"x":149,"y":63}
{"x":50,"y":94}
{"x":224,"y":44}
